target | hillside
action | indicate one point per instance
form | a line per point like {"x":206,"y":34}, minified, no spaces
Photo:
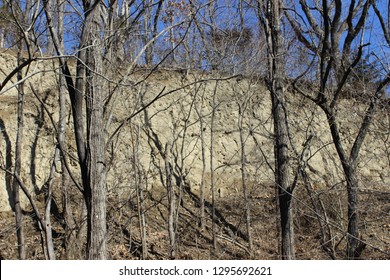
{"x":200,"y":118}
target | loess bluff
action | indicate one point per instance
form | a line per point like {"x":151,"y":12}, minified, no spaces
{"x":197,"y":115}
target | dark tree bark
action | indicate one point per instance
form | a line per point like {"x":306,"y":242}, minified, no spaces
{"x":270,"y":17}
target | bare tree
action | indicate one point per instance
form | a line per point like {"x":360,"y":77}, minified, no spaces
{"x":331,"y":47}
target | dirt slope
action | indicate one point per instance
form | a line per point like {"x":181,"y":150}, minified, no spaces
{"x":178,"y":121}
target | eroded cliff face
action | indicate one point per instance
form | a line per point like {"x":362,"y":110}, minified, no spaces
{"x":193,"y":107}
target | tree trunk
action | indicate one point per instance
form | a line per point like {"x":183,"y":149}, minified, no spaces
{"x":199,"y":112}
{"x":66,"y":207}
{"x":270,"y":16}
{"x":353,"y":219}
{"x":352,"y":184}
{"x":212,"y":175}
{"x":282,"y":174}
{"x":92,"y":159}
{"x":171,"y":203}
{"x":96,"y":190}
{"x":47,"y":218}
{"x":140,"y":192}
{"x":243,"y":176}
{"x":18,"y":162}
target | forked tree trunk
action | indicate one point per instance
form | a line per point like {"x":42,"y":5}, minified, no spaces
{"x":91,"y":153}
{"x":352,"y":184}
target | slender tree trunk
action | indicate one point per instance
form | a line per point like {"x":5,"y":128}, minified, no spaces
{"x":2,"y":35}
{"x":203,"y":150}
{"x":171,"y":202}
{"x":96,"y":189}
{"x":142,"y":218}
{"x":18,"y":162}
{"x":244,"y":179}
{"x":140,"y":196}
{"x":47,"y":218}
{"x":95,"y":185}
{"x":150,"y":23}
{"x":202,"y":183}
{"x":212,"y":175}
{"x":66,"y":207}
{"x":282,"y":181}
{"x":271,"y":20}
{"x":352,"y":185}
{"x":353,"y":218}
{"x":50,"y":50}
